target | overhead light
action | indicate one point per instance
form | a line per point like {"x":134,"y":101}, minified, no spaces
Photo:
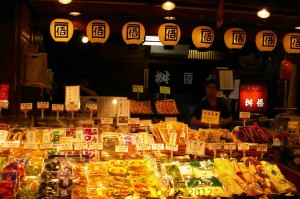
{"x":169,"y":18}
{"x":168,"y":5}
{"x":263,"y":13}
{"x":297,"y":28}
{"x":84,"y":39}
{"x":75,"y":14}
{"x":152,"y":41}
{"x":64,"y":1}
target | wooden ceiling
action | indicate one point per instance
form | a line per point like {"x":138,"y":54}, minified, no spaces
{"x":285,"y":14}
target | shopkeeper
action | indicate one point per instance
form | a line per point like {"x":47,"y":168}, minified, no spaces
{"x":213,"y":103}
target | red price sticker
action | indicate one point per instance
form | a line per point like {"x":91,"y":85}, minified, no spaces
{"x":4,"y":89}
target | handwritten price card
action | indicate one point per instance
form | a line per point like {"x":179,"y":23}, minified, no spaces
{"x":91,"y":107}
{"x":164,"y":90}
{"x":30,"y":145}
{"x":133,"y":121}
{"x":107,"y":120}
{"x":195,"y":147}
{"x":42,"y":105}
{"x":214,"y":146}
{"x":26,"y":106}
{"x":172,"y":147}
{"x":58,"y":107}
{"x":96,"y":146}
{"x":72,"y":98}
{"x":3,"y":135}
{"x":171,"y":119}
{"x":210,"y":117}
{"x":158,"y":146}
{"x":66,"y":146}
{"x":245,"y":115}
{"x":243,"y":146}
{"x":121,"y":149}
{"x":262,"y":147}
{"x":230,"y":146}
{"x":145,"y":123}
{"x":137,"y":88}
{"x":80,"y":146}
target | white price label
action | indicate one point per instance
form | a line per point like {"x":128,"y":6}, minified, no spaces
{"x":262,"y":147}
{"x":133,"y":121}
{"x":30,"y":145}
{"x":142,"y":137}
{"x":145,"y":123}
{"x":158,"y":146}
{"x":4,"y":104}
{"x":243,"y":146}
{"x":3,"y":135}
{"x":46,"y":137}
{"x":26,"y":106}
{"x":172,"y":147}
{"x":91,"y":107}
{"x":46,"y":146}
{"x":31,"y":135}
{"x":121,"y":149}
{"x":79,"y":135}
{"x":210,"y":117}
{"x":107,"y":120}
{"x":170,"y":119}
{"x":43,"y":105}
{"x":58,"y":107}
{"x":72,"y":107}
{"x":96,"y":146}
{"x":144,"y":146}
{"x":230,"y":146}
{"x":214,"y":146}
{"x":66,"y":146}
{"x":80,"y":146}
{"x":173,"y":138}
{"x":13,"y":144}
{"x":245,"y":115}
{"x":195,"y":147}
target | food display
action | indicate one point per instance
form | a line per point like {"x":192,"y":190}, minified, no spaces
{"x":97,"y":163}
{"x":166,"y":106}
{"x":141,"y":107}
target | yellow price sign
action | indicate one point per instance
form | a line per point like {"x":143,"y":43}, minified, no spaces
{"x":164,"y":90}
{"x":137,"y":88}
{"x":210,"y":117}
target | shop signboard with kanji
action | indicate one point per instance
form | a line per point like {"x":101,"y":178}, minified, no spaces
{"x":253,"y":97}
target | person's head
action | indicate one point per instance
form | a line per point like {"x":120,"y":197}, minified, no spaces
{"x":211,"y":87}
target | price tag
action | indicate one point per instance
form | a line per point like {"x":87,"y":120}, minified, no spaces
{"x":172,"y":147}
{"x":195,"y":147}
{"x":30,"y":145}
{"x":143,"y":146}
{"x":262,"y":147}
{"x":96,"y":146}
{"x":137,"y":88}
{"x":26,"y":106}
{"x":214,"y":146}
{"x":173,"y":138}
{"x":66,"y":146}
{"x":170,"y":119}
{"x":58,"y":107}
{"x":2,"y":144}
{"x":80,"y":146}
{"x":210,"y":117}
{"x":145,"y":123}
{"x":91,"y":107}
{"x":79,"y":135}
{"x":245,"y":115}
{"x":230,"y":146}
{"x":142,"y":137}
{"x":158,"y":147}
{"x":121,"y":149}
{"x":4,"y":104}
{"x":164,"y":90}
{"x":107,"y":120}
{"x":4,"y":90}
{"x":31,"y":137}
{"x":43,"y":105}
{"x":201,"y":192}
{"x":72,"y":107}
{"x":3,"y":135}
{"x":243,"y":146}
{"x":46,"y":146}
{"x":13,"y":144}
{"x":133,"y":121}
{"x":46,"y":137}
{"x":72,"y":94}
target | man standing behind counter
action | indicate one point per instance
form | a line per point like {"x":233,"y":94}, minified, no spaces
{"x":213,"y":103}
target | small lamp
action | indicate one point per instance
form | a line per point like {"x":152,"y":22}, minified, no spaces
{"x":263,"y":13}
{"x":168,"y":5}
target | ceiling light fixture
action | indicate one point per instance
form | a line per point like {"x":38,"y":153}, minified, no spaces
{"x":84,"y":39}
{"x":75,"y":14}
{"x":64,"y":1}
{"x":168,"y":5}
{"x":169,"y":18}
{"x":263,"y":13}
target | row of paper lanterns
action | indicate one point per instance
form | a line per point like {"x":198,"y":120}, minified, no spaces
{"x":98,"y":31}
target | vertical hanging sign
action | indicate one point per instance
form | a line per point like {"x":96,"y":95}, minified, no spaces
{"x":4,"y":90}
{"x":72,"y":98}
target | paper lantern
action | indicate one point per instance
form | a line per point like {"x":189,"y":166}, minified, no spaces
{"x":203,"y":37}
{"x":133,"y":33}
{"x":285,"y":71}
{"x":61,"y":30}
{"x":97,"y":31}
{"x":235,"y":38}
{"x":266,"y":40}
{"x":169,"y":34}
{"x":291,"y":43}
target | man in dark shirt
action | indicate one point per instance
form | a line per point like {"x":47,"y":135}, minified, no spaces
{"x":213,"y":103}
